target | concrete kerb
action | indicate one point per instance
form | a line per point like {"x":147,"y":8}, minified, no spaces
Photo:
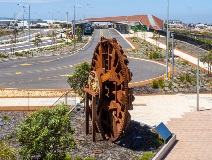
{"x":165,"y":149}
{"x":149,"y":80}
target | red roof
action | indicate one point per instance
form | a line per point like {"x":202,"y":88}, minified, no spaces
{"x":144,"y":19}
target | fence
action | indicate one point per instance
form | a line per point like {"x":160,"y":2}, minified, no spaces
{"x":195,"y":39}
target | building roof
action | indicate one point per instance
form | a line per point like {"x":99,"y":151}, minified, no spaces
{"x":147,"y":20}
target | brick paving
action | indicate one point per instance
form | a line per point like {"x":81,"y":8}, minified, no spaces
{"x":178,"y":113}
{"x":194,"y":135}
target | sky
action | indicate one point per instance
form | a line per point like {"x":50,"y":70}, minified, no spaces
{"x":188,"y":11}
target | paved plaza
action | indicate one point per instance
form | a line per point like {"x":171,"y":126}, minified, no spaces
{"x":179,"y":113}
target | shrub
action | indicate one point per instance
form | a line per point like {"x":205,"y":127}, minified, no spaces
{"x":185,"y":62}
{"x":158,"y":142}
{"x":136,"y":157}
{"x":182,"y":78}
{"x":78,"y":158}
{"x":3,"y":56}
{"x":5,"y":118}
{"x":170,"y":85}
{"x":90,"y":158}
{"x":6,"y":152}
{"x":188,"y":78}
{"x":155,"y":85}
{"x":147,"y":156}
{"x":18,"y":54}
{"x":161,"y":83}
{"x":67,"y":157}
{"x":40,"y":131}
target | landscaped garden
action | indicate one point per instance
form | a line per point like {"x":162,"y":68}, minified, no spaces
{"x":184,"y":78}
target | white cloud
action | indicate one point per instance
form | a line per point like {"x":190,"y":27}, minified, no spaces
{"x":29,"y":1}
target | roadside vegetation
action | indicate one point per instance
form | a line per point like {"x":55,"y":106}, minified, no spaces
{"x":58,"y":45}
{"x":184,"y":78}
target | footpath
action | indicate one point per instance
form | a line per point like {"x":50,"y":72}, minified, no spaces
{"x":179,"y":113}
{"x":178,"y":53}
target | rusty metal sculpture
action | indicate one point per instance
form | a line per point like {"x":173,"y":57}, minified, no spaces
{"x":108,"y":97}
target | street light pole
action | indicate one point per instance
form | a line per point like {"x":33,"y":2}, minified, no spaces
{"x":52,"y":16}
{"x":198,"y":79}
{"x":74,"y":31}
{"x":23,"y":23}
{"x":28,"y":23}
{"x":167,"y":39}
{"x":172,"y":56}
{"x":67,"y":19}
{"x":29,"y":27}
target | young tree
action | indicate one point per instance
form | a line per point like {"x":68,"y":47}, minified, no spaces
{"x":207,"y":58}
{"x":15,"y":33}
{"x":79,"y":79}
{"x":46,"y":134}
{"x":38,"y":40}
{"x":136,"y":31}
{"x":156,"y":35}
{"x":79,"y":33}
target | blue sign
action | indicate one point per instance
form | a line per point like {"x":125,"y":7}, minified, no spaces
{"x":163,"y":131}
{"x":2,"y":123}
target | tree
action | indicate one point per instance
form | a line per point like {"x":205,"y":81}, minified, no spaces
{"x":207,"y":58}
{"x":38,"y":40}
{"x":12,"y":47}
{"x":79,"y":79}
{"x":53,"y":36}
{"x":136,"y":31}
{"x":46,"y":134}
{"x":63,"y":25}
{"x":79,"y":33}
{"x":15,"y":33}
{"x":6,"y":152}
{"x":143,"y":32}
{"x":156,"y":35}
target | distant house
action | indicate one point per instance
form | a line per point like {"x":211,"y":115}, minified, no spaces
{"x":175,"y":24}
{"x":200,"y":26}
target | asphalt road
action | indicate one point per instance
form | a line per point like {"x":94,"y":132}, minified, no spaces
{"x":7,"y":48}
{"x":51,"y":72}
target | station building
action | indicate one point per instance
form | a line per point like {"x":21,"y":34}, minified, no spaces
{"x":125,"y":23}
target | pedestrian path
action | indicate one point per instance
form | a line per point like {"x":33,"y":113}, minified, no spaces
{"x":30,"y":103}
{"x":181,"y":54}
{"x":194,"y":135}
{"x":179,"y":113}
{"x":153,"y":109}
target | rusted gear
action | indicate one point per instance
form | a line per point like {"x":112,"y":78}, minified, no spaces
{"x":109,"y":77}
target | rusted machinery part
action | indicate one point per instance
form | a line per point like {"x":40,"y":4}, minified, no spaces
{"x":109,"y":65}
{"x":97,"y":151}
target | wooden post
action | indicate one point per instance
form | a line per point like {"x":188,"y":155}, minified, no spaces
{"x":93,"y":117}
{"x":86,"y":114}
